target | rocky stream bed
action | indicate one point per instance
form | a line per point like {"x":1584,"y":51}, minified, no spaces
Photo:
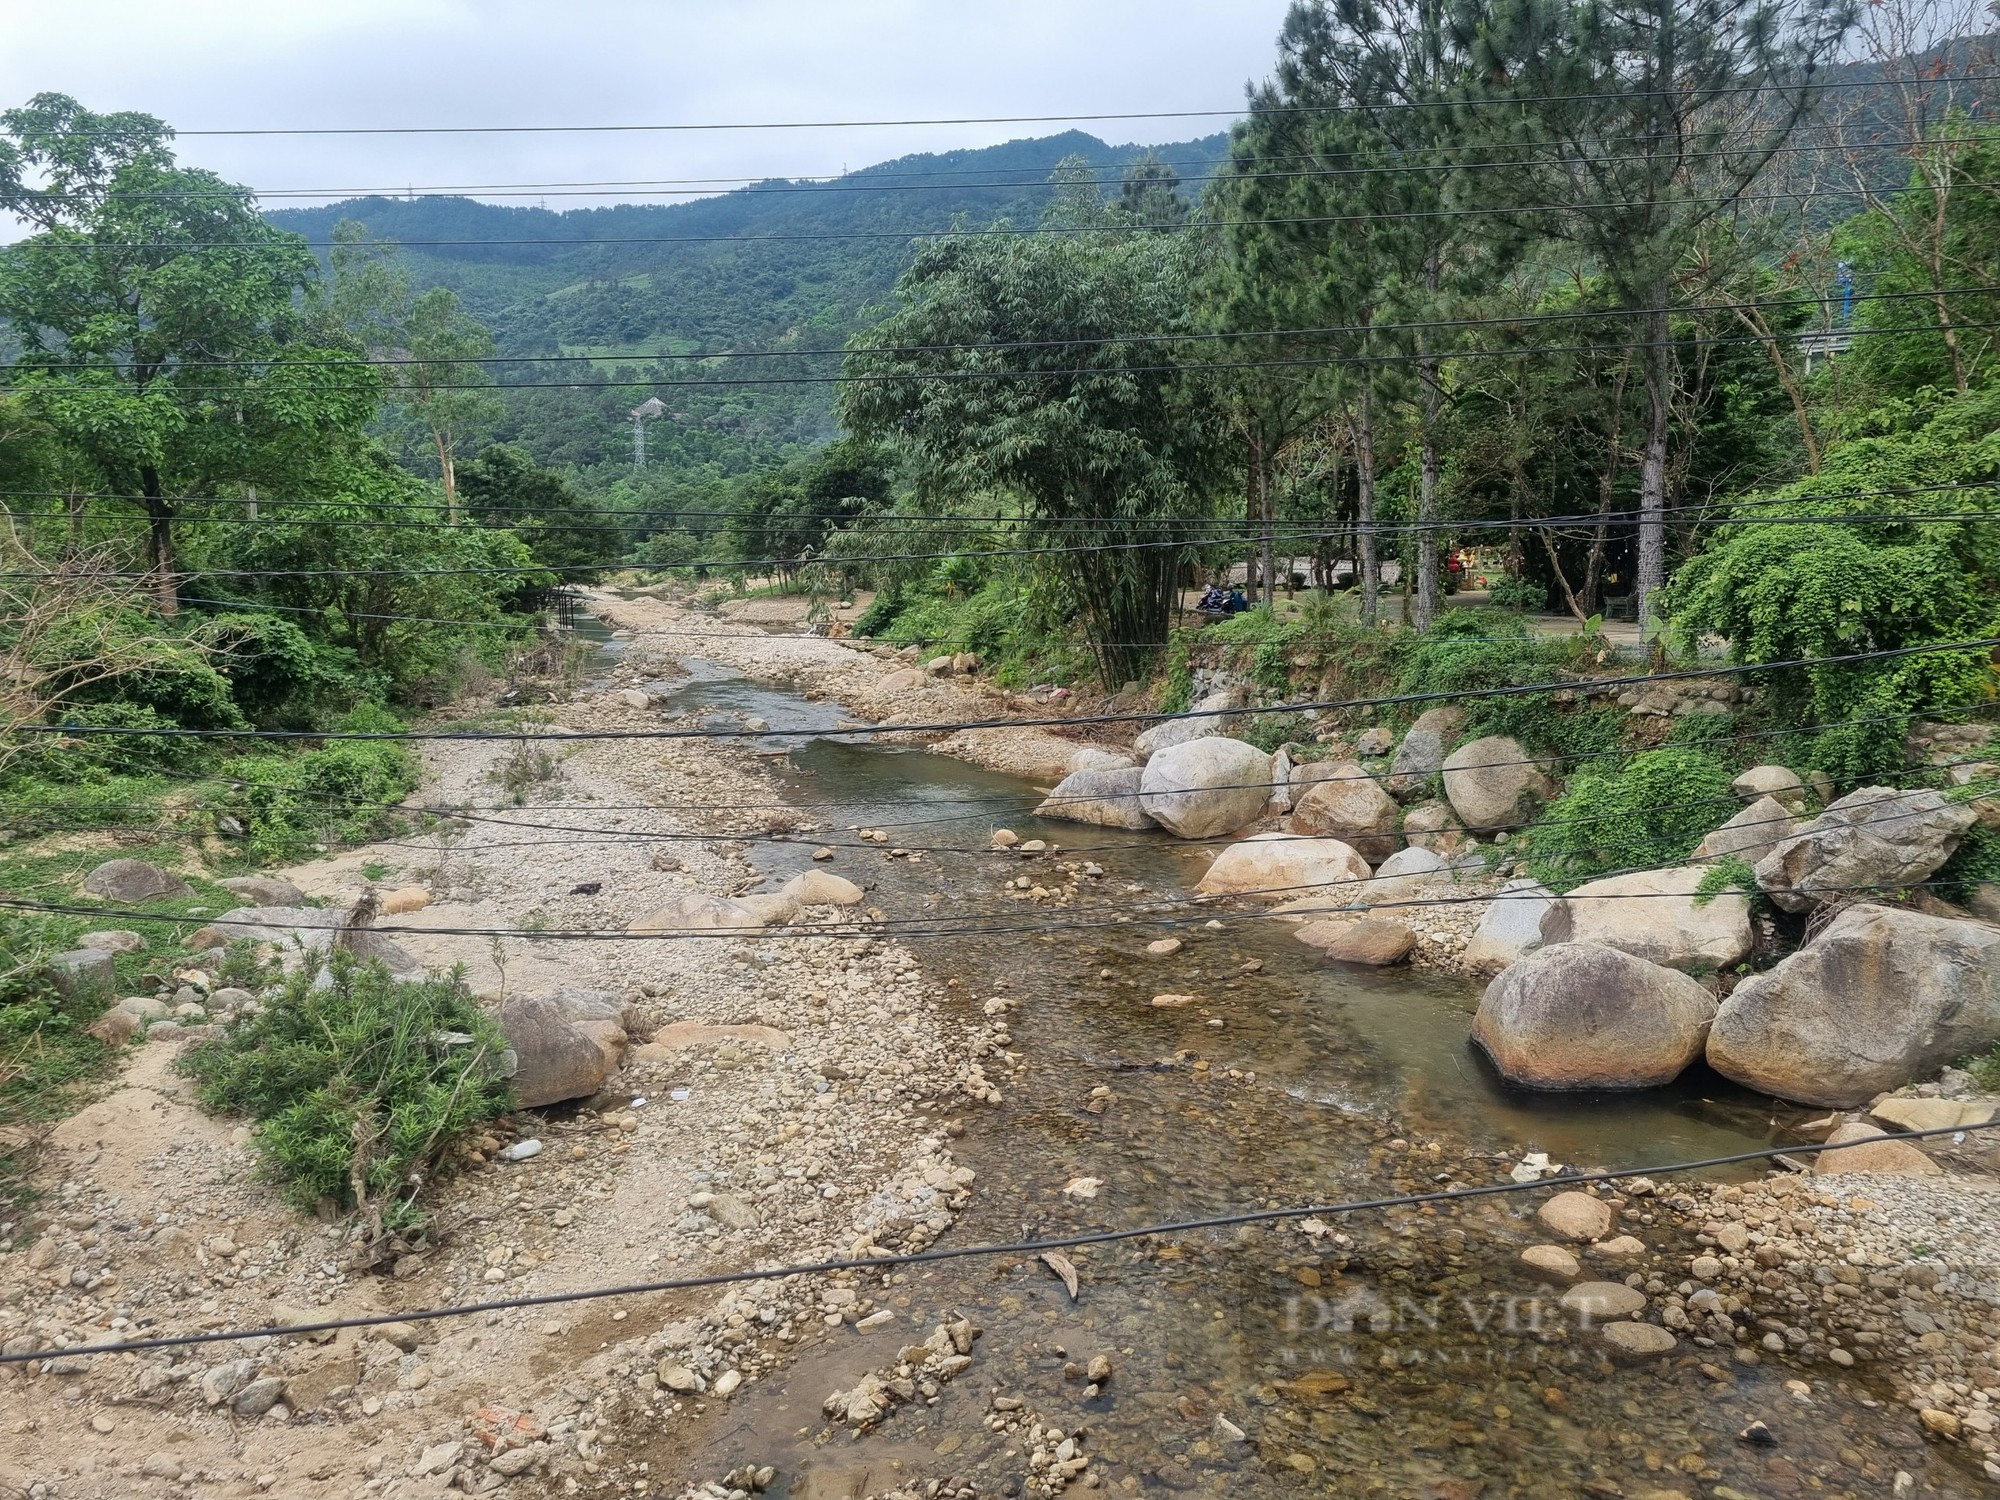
{"x":975,"y":1052}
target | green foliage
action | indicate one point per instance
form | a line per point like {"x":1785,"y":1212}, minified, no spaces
{"x":1730,"y":873}
{"x":1522,"y":594}
{"x":1474,"y":651}
{"x":1975,"y":862}
{"x":1652,"y":810}
{"x":351,"y":1077}
{"x":1096,"y":425}
{"x":1877,"y":576}
{"x":164,"y":331}
{"x":340,"y":793}
{"x":44,"y":1049}
{"x":562,"y":529}
{"x":881,"y":612}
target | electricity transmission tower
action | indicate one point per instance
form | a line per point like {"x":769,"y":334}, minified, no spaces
{"x":643,"y":413}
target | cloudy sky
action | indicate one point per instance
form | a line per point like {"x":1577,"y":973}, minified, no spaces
{"x":274,"y":64}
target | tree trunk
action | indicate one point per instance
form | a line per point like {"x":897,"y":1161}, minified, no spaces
{"x":1653,"y":466}
{"x":1760,"y":327}
{"x":160,"y":541}
{"x":1593,"y":574}
{"x":1427,"y":494}
{"x":450,"y":472}
{"x":1268,"y":509}
{"x":1253,"y":506}
{"x":1369,"y":560}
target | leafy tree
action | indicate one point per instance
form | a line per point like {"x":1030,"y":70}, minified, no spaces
{"x":1626,"y":127}
{"x":165,"y":339}
{"x":1068,"y":414}
{"x":564,"y":531}
{"x":430,"y":349}
{"x":1877,"y":576}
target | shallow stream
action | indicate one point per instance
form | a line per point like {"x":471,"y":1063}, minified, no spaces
{"x":1416,"y":1357}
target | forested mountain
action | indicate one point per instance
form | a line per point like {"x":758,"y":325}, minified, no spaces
{"x":777,"y":265}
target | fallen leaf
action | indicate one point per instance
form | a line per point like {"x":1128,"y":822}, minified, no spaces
{"x":1061,"y":1264}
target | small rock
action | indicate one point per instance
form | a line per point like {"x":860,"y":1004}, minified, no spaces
{"x":259,"y":1396}
{"x":678,"y":1378}
{"x":112,"y":940}
{"x":1637,"y":1340}
{"x":1576,"y":1216}
{"x":1164,"y":947}
{"x":1603,"y":1299}
{"x":1552,"y":1260}
{"x":728,"y":1381}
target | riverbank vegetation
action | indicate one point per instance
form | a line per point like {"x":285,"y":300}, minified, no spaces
{"x":1392,"y":339}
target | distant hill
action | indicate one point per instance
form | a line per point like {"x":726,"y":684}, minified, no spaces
{"x":700,"y":290}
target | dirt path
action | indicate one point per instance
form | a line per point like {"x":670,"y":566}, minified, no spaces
{"x":795,"y":1103}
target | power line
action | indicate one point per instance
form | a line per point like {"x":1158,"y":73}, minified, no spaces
{"x":1215,"y":169}
{"x":732,"y":382}
{"x":468,"y":813}
{"x":1283,"y":531}
{"x":1497,"y":320}
{"x":1595,"y":684}
{"x":1800,"y":87}
{"x":289,"y":240}
{"x":948,"y":520}
{"x":875,"y":1264}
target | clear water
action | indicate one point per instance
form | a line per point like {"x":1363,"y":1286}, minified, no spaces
{"x":1346,"y":1086}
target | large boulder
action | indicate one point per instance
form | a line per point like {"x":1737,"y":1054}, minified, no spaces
{"x":1109,"y":798}
{"x":821,"y":888}
{"x":1751,"y":834}
{"x":1870,"y":839}
{"x":84,"y":971}
{"x":1769,"y":781}
{"x":1347,"y":804}
{"x":1207,"y":787}
{"x":1434,"y":826}
{"x":1369,"y":943}
{"x":1866,"y":1149}
{"x":692,"y":911}
{"x":1492,"y":784}
{"x":1511,"y":926}
{"x":134,"y":880}
{"x":302,"y":933}
{"x":1421,"y":755}
{"x":1095,"y":758}
{"x":1881,"y":998}
{"x":565,"y":1045}
{"x":1654,"y":915}
{"x":1217,"y":714}
{"x":1278,"y":866}
{"x":1584,"y":1016}
{"x":264,"y":890}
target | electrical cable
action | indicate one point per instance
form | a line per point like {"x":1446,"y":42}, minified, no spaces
{"x":287,"y":240}
{"x":466,"y":812}
{"x":1796,"y":88}
{"x":951,"y":521}
{"x":1592,"y":684}
{"x":952,"y":376}
{"x":1159,"y":911}
{"x":1216,"y":170}
{"x":1521,"y":320}
{"x":1566,"y":1181}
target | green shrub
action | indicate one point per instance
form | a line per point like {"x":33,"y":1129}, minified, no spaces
{"x":1651,"y":811}
{"x":880,"y":614}
{"x":1975,"y":862}
{"x":353,"y":1078}
{"x":1522,"y":594}
{"x":45,"y":1049}
{"x":339,"y":793}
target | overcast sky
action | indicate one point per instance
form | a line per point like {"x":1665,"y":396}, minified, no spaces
{"x":235,"y":64}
